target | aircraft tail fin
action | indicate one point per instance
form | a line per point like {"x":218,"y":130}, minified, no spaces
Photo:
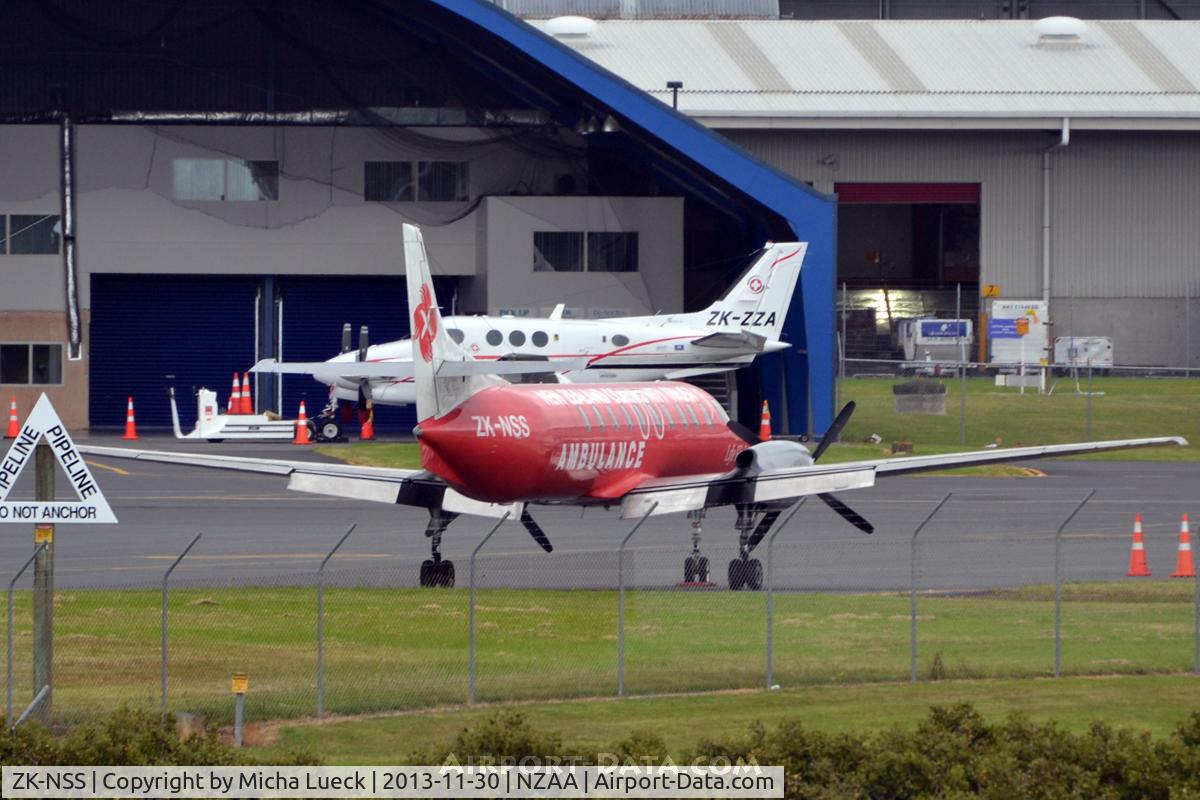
{"x":437,"y":392}
{"x":759,"y":300}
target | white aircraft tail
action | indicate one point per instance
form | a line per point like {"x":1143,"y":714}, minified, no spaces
{"x":759,"y":300}
{"x":432,"y":345}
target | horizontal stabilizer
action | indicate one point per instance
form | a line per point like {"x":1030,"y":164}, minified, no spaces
{"x":330,"y":370}
{"x":742,"y":340}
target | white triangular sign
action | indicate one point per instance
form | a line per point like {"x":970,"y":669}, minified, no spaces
{"x":91,"y":508}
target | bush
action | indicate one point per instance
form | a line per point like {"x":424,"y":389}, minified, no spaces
{"x":952,"y":753}
{"x":126,"y":738}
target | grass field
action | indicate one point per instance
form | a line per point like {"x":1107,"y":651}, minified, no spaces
{"x":1149,"y":703}
{"x":389,"y":649}
{"x":1128,"y":408}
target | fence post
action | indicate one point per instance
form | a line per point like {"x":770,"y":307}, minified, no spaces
{"x":771,"y":591}
{"x":166,"y":579}
{"x":621,"y":600}
{"x":1058,"y":584}
{"x":912,"y":588}
{"x":1196,"y":625}
{"x":962,"y":366}
{"x":11,"y":585}
{"x":321,"y":620}
{"x":471,"y":647}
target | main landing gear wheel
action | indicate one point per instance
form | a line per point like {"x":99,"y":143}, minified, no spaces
{"x":745,"y":573}
{"x":435,"y":570}
{"x":437,"y":573}
{"x":327,"y":429}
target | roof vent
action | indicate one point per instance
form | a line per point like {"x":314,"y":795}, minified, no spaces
{"x":1059,"y":30}
{"x":570,"y":27}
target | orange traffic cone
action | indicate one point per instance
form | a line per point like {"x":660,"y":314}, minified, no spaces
{"x":302,"y":436}
{"x":130,"y":424}
{"x":14,"y":426}
{"x":247,"y":403}
{"x":1137,"y":556}
{"x":1184,"y":568}
{"x":764,"y":425}
{"x":235,"y":396}
{"x":367,"y":431}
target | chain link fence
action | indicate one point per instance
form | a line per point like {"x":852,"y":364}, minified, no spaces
{"x":952,"y":595}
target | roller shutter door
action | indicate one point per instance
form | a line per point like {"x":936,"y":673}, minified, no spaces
{"x":145,"y":328}
{"x":314,"y":309}
{"x":908,"y":193}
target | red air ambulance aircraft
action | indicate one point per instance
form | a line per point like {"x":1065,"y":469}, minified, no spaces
{"x":490,"y":447}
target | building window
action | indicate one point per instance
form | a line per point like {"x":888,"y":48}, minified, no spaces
{"x":442,"y":181}
{"x":30,"y":234}
{"x":222,"y":179}
{"x":387,"y":181}
{"x":612,"y":252}
{"x":436,"y":181}
{"x":25,"y":364}
{"x":555,"y":251}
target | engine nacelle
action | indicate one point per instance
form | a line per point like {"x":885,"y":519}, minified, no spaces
{"x":774,"y":454}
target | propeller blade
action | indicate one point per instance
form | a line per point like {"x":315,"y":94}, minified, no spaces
{"x":362,"y":343}
{"x":536,"y":531}
{"x":760,"y":530}
{"x":847,"y":513}
{"x":835,"y":430}
{"x":742,"y":432}
{"x":346,"y":337}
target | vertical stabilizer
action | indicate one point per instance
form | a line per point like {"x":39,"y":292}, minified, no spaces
{"x":759,"y":300}
{"x":432,"y":345}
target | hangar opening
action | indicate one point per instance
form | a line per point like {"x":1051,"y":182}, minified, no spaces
{"x":904,"y":251}
{"x":193,"y":161}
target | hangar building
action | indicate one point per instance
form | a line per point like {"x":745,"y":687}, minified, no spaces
{"x":187,"y":189}
{"x":981,"y":153}
{"x":238,"y":173}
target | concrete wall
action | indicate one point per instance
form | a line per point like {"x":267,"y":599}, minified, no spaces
{"x":513,"y":286}
{"x":129,"y":220}
{"x":1124,"y":210}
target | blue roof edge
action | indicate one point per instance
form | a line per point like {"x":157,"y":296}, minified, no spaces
{"x":791,"y":200}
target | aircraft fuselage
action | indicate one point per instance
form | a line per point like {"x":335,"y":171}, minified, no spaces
{"x":589,"y":444}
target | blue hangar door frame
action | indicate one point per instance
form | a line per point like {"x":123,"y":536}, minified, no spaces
{"x":197,"y":330}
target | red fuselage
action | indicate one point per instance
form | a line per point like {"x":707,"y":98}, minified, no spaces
{"x":565,"y":442}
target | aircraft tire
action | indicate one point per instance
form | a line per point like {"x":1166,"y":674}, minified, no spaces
{"x":328,"y":429}
{"x":428,"y":570}
{"x":754,"y":574}
{"x":702,"y":569}
{"x":737,"y":575}
{"x":445,"y":574}
{"x":689,"y":569}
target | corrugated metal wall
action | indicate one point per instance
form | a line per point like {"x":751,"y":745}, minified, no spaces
{"x":1125,"y":204}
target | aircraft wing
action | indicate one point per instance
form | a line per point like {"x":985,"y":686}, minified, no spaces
{"x":330,"y":371}
{"x":376,"y":484}
{"x":701,"y":491}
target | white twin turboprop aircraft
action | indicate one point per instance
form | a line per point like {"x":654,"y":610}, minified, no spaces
{"x":727,"y":335}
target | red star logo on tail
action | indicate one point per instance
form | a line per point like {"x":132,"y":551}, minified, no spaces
{"x":425,"y":323}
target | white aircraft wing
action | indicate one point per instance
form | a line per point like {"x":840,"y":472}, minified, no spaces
{"x":330,"y":371}
{"x":376,"y":484}
{"x":694,"y":492}
{"x":337,"y":369}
